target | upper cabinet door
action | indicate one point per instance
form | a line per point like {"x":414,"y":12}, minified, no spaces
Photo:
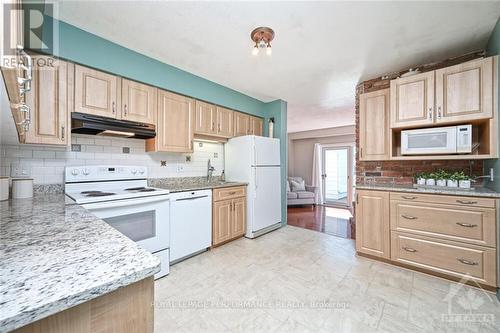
{"x":241,"y":124}
{"x":465,"y":91}
{"x":96,"y":92}
{"x":48,"y":102}
{"x":374,"y":126}
{"x":174,"y":131}
{"x":225,"y":122}
{"x":412,"y":100}
{"x":205,"y":118}
{"x":138,"y":102}
{"x":256,"y":125}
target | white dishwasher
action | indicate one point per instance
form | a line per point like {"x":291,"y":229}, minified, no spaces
{"x":190,"y":223}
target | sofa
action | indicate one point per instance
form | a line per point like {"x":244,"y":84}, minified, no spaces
{"x":305,"y":196}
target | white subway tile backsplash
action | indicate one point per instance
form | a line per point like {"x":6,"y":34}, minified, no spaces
{"x":47,"y":162}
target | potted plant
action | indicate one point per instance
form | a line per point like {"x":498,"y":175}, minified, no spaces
{"x":441,"y":177}
{"x":453,"y":179}
{"x":464,"y":181}
{"x":420,"y":177}
{"x":430,"y":179}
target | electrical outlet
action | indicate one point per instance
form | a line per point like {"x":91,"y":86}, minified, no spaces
{"x":20,"y":170}
{"x":180,"y":168}
{"x":76,"y":147}
{"x":126,"y":150}
{"x":216,"y":155}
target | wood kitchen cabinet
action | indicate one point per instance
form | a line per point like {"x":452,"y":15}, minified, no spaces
{"x":175,"y":122}
{"x":50,"y":123}
{"x":225,"y":122}
{"x":374,"y":126}
{"x":256,"y":125}
{"x":372,"y":223}
{"x":464,"y":92}
{"x":241,"y":124}
{"x":412,"y":100}
{"x":96,"y":92}
{"x":138,"y":102}
{"x":205,"y":118}
{"x":229,"y":214}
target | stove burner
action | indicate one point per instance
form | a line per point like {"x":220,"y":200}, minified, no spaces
{"x":98,"y":194}
{"x":135,"y":188}
{"x":90,"y":192}
{"x":140,"y":189}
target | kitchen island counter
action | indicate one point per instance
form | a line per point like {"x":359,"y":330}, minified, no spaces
{"x":56,"y":255}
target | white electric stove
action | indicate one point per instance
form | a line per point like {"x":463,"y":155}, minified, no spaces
{"x":120,"y":196}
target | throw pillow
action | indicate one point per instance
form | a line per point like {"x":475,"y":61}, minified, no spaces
{"x":288,"y":186}
{"x":298,"y":186}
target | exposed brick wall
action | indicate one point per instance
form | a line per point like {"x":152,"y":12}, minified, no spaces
{"x":402,"y":172}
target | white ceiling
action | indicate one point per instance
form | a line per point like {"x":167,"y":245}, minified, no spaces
{"x":321,"y":49}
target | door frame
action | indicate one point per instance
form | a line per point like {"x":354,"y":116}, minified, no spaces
{"x":350,"y":176}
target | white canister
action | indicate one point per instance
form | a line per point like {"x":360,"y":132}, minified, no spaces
{"x":4,"y":188}
{"x":441,"y":182}
{"x":430,"y":181}
{"x":421,"y":181}
{"x":452,"y":183}
{"x":22,"y":188}
{"x":464,"y":184}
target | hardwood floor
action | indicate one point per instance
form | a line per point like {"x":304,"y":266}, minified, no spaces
{"x":332,"y":221}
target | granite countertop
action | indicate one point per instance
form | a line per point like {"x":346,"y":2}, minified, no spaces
{"x":55,"y":255}
{"x":477,"y":192}
{"x":190,"y":184}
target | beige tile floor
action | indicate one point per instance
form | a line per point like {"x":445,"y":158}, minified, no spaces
{"x":298,"y":280}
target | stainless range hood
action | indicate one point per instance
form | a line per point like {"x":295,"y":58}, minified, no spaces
{"x":95,"y":125}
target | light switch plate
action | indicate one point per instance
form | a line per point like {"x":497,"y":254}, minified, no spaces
{"x":180,"y":168}
{"x":18,"y":169}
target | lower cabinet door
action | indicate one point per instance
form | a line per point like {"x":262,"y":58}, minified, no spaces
{"x":475,"y":263}
{"x":372,"y":223}
{"x":222,"y":219}
{"x":239,"y":217}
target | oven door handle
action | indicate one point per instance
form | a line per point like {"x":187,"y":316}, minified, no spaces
{"x":125,"y":202}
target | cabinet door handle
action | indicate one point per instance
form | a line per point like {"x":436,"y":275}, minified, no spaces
{"x":63,"y":129}
{"x":468,"y":262}
{"x":232,"y":193}
{"x":113,"y":107}
{"x":409,"y":249}
{"x":409,"y":217}
{"x":213,"y":125}
{"x":466,"y":202}
{"x":467,"y":225}
{"x":408,"y":197}
{"x":125,"y":110}
{"x":439,"y":112}
{"x":361,"y":152}
{"x":430,"y":113}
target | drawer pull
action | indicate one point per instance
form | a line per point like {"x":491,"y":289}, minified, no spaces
{"x":467,"y":225}
{"x":466,"y":202}
{"x":409,"y":217}
{"x":468,"y":262}
{"x":408,"y":197}
{"x":232,"y":193}
{"x":409,"y":249}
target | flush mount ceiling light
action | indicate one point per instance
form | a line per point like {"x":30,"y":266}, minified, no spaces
{"x":262,"y":37}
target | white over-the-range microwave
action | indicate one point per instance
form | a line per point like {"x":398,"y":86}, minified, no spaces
{"x":437,"y":140}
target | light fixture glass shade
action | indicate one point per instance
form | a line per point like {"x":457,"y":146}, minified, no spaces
{"x":269,"y":50}
{"x":255,"y":50}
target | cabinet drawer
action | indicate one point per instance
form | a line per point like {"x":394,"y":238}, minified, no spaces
{"x":471,"y":225}
{"x":229,"y":193}
{"x":447,"y":257}
{"x":444,"y":199}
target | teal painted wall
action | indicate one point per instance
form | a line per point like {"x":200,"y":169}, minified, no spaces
{"x":82,"y":47}
{"x":493,"y":48}
{"x":87,"y":49}
{"x":278,"y":110}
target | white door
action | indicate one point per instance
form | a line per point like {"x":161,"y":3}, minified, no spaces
{"x":267,"y":201}
{"x":337,"y":175}
{"x":267,"y":151}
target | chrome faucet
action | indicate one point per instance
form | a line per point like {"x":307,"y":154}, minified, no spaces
{"x":210,"y":171}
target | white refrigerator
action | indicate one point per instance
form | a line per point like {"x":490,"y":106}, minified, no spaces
{"x":256,"y":160}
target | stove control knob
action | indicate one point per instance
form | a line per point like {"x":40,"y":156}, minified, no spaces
{"x":134,"y":171}
{"x":86,"y":172}
{"x":75,"y":172}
